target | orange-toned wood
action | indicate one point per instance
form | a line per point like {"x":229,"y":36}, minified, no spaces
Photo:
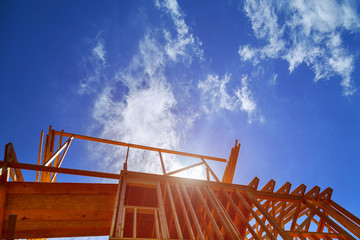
{"x":65,"y":134}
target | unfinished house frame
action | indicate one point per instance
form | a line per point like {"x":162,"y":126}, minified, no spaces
{"x":154,"y":206}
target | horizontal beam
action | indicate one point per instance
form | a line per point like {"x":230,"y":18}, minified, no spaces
{"x":63,"y":170}
{"x":94,"y":139}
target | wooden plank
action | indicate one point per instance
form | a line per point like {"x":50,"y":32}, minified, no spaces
{"x":65,"y":170}
{"x":268,"y":217}
{"x":162,"y":215}
{"x":115,"y":210}
{"x":78,"y":201}
{"x":42,"y":176}
{"x":209,"y":168}
{"x":62,"y":158}
{"x":134,"y":223}
{"x":3,"y":194}
{"x":54,"y":156}
{"x":61,"y":214}
{"x":173,"y":209}
{"x":12,"y":158}
{"x":49,"y":229}
{"x":185,"y":168}
{"x":259,"y":221}
{"x":240,"y":214}
{"x":192,"y":212}
{"x":162,"y":163}
{"x":39,"y":155}
{"x":157,"y":224}
{"x":305,"y":222}
{"x":56,"y":163}
{"x":224,"y":217}
{"x":65,"y":134}
{"x":328,"y":220}
{"x":339,"y":218}
{"x":183,"y":208}
{"x":61,"y":188}
{"x":345,"y":212}
{"x":208,"y":213}
{"x":11,"y":225}
{"x":120,"y":219}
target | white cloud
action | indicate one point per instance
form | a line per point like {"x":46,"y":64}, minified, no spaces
{"x":310,"y":33}
{"x":99,"y":51}
{"x":184,"y":40}
{"x":94,"y":66}
{"x":216,"y":95}
{"x":154,"y":110}
{"x":245,"y":96}
{"x":273,"y":79}
{"x":146,"y":113}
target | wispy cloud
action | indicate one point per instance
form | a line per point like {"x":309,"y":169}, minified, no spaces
{"x":146,"y":114}
{"x":94,"y":66}
{"x":184,"y":40}
{"x":307,"y":32}
{"x":153,"y":109}
{"x":216,"y":96}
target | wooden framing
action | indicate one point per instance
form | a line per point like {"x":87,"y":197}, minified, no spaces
{"x":151,"y":206}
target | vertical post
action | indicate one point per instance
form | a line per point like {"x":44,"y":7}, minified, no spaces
{"x":211,"y":171}
{"x":39,"y":156}
{"x":3,"y":190}
{"x":157,"y":224}
{"x":134,"y":223}
{"x":162,"y":163}
{"x":193,"y":214}
{"x":126,"y":159}
{"x":10,"y":231}
{"x":177,"y":224}
{"x":162,"y":215}
{"x":120,"y":210}
{"x":208,"y":214}
{"x":251,"y":210}
{"x":186,"y":216}
{"x":271,"y":220}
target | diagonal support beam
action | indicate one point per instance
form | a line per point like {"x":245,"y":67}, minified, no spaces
{"x":271,"y":220}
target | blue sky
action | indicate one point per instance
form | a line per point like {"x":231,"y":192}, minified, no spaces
{"x":281,"y":77}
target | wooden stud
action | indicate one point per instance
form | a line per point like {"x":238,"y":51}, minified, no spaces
{"x":208,"y":213}
{"x":185,"y":168}
{"x":344,"y":212}
{"x":162,"y":163}
{"x":68,"y":142}
{"x":162,"y":215}
{"x":240,"y":214}
{"x":207,"y":174}
{"x":115,"y":212}
{"x":223,"y":215}
{"x":177,"y":224}
{"x":305,"y":222}
{"x":254,"y":183}
{"x":140,"y":146}
{"x":339,"y":218}
{"x":39,"y":155}
{"x":10,"y":233}
{"x":120,"y":219}
{"x":330,"y":222}
{"x":186,"y":217}
{"x":157,"y":224}
{"x":259,"y":221}
{"x":268,"y":217}
{"x":208,"y":167}
{"x":192,"y":212}
{"x":134,"y":223}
